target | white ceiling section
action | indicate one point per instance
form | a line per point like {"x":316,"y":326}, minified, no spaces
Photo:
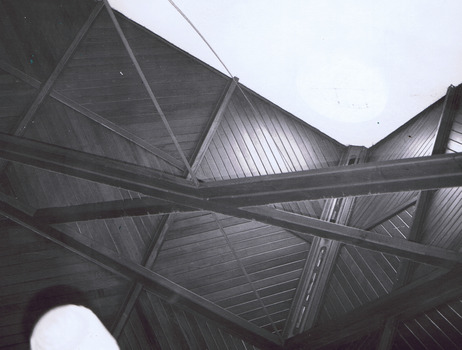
{"x":356,"y":70}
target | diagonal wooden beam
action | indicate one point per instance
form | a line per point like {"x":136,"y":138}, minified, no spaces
{"x":399,"y":175}
{"x":155,"y":283}
{"x":400,"y":304}
{"x":422,"y":173}
{"x":108,"y":210}
{"x":182,"y":192}
{"x":94,"y":116}
{"x":140,"y":207}
{"x":349,"y":235}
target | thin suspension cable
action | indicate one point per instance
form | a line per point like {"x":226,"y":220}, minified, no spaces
{"x":148,"y":89}
{"x":283,"y":157}
{"x":199,"y":33}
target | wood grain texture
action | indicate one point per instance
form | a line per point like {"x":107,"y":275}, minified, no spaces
{"x":439,"y":328}
{"x":156,"y":324}
{"x":115,"y":263}
{"x":196,"y":255}
{"x":30,"y":265}
{"x":128,"y":236}
{"x":24,"y":25}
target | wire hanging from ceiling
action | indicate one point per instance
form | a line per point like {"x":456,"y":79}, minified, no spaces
{"x":200,"y":34}
{"x":288,"y":164}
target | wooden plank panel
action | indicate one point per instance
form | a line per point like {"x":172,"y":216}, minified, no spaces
{"x":413,"y":138}
{"x":266,"y":253}
{"x":58,"y":124}
{"x":119,"y":235}
{"x":40,"y":265}
{"x":191,"y":330}
{"x":360,"y":277}
{"x":25,"y":24}
{"x":437,"y":328}
{"x":258,"y":132}
{"x":15,"y":97}
{"x":403,"y":303}
{"x":443,"y":221}
{"x":368,"y":209}
{"x":33,"y":186}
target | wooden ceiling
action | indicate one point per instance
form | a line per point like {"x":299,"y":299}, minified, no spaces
{"x":190,"y":213}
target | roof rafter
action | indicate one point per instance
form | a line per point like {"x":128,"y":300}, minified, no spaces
{"x":399,"y":175}
{"x":108,"y":210}
{"x":157,"y":284}
{"x":181,"y":191}
{"x":439,"y":171}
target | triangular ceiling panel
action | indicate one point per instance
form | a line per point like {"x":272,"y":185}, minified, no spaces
{"x":359,"y":276}
{"x":370,"y":210}
{"x":127,"y":236}
{"x":399,"y":225}
{"x":61,"y":125}
{"x":27,"y":22}
{"x":413,"y":139}
{"x":308,"y":208}
{"x":248,"y":268}
{"x":37,"y":274}
{"x":255,"y":138}
{"x":102,"y":78}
